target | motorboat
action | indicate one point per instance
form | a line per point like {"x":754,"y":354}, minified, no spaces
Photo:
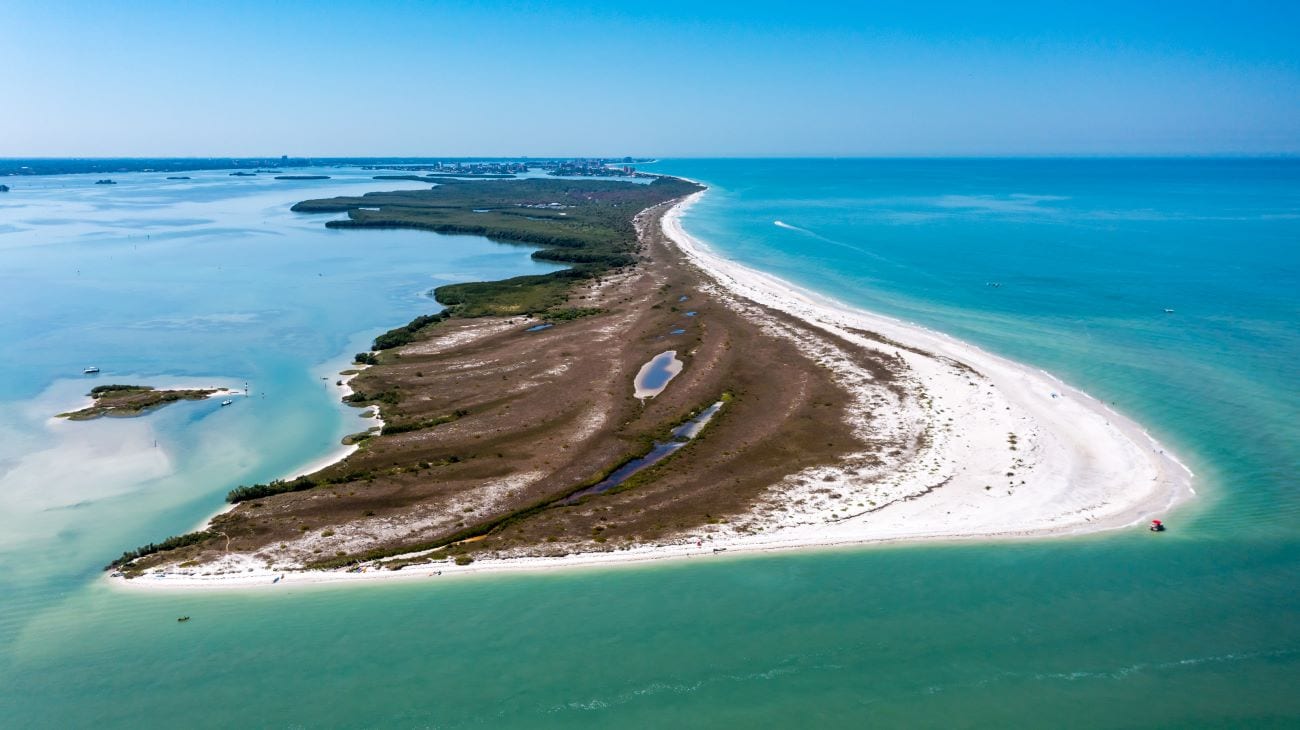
{"x":91,"y":370}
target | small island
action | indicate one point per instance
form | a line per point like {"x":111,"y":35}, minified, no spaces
{"x":178,"y":177}
{"x":132,"y":400}
{"x":4,"y":188}
{"x":302,"y":177}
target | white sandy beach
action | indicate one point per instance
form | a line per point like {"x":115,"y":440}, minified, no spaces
{"x":1004,"y":451}
{"x":1084,"y":467}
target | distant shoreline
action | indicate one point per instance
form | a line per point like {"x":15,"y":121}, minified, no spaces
{"x":37,"y":166}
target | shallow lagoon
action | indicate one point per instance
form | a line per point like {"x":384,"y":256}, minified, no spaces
{"x":210,"y":281}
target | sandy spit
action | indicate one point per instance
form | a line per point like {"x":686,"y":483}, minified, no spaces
{"x":1077,"y":465}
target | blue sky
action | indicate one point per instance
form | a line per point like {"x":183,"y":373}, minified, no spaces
{"x":658,"y":78}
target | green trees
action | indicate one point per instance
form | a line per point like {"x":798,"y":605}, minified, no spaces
{"x":101,"y":390}
{"x":171,"y":543}
{"x":399,"y":336}
{"x":390,"y":397}
{"x":586,"y":223}
{"x":278,"y":486}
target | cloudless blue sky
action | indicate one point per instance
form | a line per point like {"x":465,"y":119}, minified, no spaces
{"x":648,"y":78}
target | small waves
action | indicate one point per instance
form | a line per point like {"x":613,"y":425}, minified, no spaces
{"x":1132,"y":669}
{"x":1119,"y":673}
{"x":681,"y":688}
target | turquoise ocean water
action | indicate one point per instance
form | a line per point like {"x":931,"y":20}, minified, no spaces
{"x":214,"y":280}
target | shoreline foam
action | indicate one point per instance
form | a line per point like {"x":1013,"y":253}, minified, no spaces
{"x":1086,"y":460}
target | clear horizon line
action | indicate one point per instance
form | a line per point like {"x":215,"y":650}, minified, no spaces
{"x":909,"y":156}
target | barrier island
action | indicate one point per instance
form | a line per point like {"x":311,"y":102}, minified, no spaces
{"x":515,"y":432}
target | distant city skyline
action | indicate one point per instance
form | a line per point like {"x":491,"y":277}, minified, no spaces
{"x":672,"y":79}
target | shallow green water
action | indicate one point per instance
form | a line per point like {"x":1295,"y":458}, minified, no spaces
{"x":1199,"y":626}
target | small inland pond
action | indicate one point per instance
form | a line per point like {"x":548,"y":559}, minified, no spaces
{"x":654,"y":376}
